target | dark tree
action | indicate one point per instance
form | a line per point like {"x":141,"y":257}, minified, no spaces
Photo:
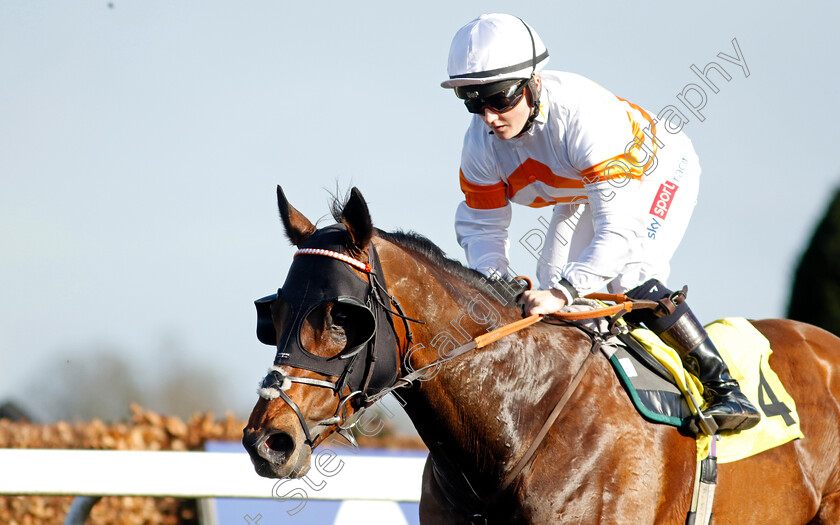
{"x":13,"y":412}
{"x":815,"y":297}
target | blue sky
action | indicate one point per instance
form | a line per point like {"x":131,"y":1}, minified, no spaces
{"x":140,"y":145}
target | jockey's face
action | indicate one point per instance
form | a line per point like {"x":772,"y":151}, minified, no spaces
{"x":508,"y":124}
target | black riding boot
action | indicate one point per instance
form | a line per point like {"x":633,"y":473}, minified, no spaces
{"x":678,"y":327}
{"x":726,"y":403}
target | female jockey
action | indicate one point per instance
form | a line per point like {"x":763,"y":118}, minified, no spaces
{"x":622,"y":191}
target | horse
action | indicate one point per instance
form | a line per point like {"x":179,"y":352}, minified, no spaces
{"x":478,"y":411}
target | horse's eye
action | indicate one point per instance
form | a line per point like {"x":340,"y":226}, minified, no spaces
{"x":339,"y":318}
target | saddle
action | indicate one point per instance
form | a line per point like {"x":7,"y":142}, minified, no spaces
{"x":663,"y":392}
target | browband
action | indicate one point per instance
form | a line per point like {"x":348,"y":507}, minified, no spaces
{"x":365,"y":267}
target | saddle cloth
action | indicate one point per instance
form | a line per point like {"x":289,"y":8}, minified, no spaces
{"x":660,"y":393}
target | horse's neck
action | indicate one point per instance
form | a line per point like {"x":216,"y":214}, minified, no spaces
{"x":481,"y":409}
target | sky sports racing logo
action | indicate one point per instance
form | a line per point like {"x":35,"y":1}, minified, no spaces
{"x":660,"y":206}
{"x":663,"y":199}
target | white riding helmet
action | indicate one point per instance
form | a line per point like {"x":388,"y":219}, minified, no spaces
{"x":494,"y":47}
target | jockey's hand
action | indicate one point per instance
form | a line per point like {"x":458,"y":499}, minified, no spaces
{"x":542,"y":301}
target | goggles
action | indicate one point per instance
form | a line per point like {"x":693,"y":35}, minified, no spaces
{"x":498,"y":96}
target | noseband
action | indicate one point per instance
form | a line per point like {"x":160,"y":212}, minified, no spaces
{"x":334,"y":277}
{"x":274,"y":386}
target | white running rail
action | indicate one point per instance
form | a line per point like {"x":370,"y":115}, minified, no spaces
{"x":97,"y":473}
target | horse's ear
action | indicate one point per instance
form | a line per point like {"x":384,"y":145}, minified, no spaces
{"x":356,"y":217}
{"x":298,"y":227}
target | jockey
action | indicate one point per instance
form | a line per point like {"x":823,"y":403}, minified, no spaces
{"x":621,"y":191}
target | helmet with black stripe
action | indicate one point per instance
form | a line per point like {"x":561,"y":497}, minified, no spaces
{"x":492,"y":52}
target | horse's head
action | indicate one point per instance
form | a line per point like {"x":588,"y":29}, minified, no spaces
{"x":331,"y":324}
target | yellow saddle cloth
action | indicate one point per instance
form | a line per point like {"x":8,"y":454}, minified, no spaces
{"x":746,"y":352}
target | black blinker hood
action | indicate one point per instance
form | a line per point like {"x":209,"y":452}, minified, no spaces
{"x":315,"y":279}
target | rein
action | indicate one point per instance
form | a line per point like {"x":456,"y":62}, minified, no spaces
{"x":625,"y":304}
{"x":479,"y":342}
{"x":622,"y":303}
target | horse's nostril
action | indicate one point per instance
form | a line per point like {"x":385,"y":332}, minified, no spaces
{"x":280,"y":442}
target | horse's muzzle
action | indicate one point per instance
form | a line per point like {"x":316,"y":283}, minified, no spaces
{"x":271,"y":453}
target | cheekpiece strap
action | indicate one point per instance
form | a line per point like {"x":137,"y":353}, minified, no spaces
{"x":365,"y":267}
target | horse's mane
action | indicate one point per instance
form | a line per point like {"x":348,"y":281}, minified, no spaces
{"x":422,"y":245}
{"x":425,"y":247}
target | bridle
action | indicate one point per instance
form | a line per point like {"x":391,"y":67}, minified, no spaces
{"x":271,"y":388}
{"x":379,"y":306}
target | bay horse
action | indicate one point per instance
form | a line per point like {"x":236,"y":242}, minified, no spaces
{"x":600,"y":462}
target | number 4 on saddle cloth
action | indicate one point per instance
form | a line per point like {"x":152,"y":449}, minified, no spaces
{"x":652,"y":375}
